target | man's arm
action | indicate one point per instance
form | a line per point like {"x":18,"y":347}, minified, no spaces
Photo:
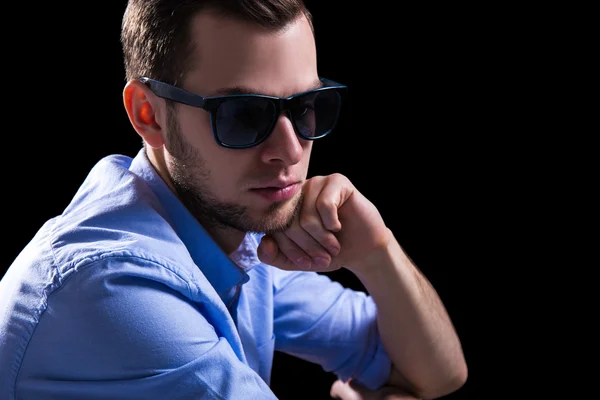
{"x":339,"y":226}
{"x":413,"y":323}
{"x":128,"y":328}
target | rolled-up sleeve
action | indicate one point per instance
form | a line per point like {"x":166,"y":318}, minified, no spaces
{"x":318,"y":320}
{"x":114,"y":330}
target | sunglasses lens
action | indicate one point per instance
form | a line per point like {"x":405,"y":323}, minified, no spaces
{"x":244,"y":120}
{"x":315,"y":114}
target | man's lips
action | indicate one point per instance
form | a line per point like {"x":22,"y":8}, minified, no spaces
{"x":278,"y":191}
{"x":278,"y":183}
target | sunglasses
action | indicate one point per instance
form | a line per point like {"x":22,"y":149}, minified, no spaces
{"x":241,"y":121}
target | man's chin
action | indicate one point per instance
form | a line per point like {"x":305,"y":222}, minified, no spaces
{"x":277,"y":217}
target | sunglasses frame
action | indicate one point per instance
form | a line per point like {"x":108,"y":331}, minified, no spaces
{"x":212,"y":103}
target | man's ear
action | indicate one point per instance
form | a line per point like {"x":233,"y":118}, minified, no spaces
{"x":146,"y":112}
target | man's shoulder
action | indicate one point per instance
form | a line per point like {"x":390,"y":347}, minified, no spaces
{"x":114,"y":217}
{"x":96,"y":237}
{"x":114,"y":210}
{"x":134,"y":232}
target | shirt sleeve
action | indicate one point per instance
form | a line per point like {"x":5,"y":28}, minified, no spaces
{"x":318,"y":320}
{"x":119,"y":329}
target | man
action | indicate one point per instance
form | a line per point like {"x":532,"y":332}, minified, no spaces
{"x":175,"y":274}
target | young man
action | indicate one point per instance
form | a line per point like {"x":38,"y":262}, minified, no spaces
{"x":177,"y":273}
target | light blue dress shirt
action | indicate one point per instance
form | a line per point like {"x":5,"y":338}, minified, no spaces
{"x":125,"y":296}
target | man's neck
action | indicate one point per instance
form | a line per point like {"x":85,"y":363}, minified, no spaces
{"x":228,"y":239}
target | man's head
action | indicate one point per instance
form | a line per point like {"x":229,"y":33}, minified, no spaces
{"x":157,"y":37}
{"x":212,"y":48}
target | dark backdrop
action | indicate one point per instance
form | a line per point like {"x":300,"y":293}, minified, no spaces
{"x":416,"y":137}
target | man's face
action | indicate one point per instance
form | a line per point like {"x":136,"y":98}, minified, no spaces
{"x":242,"y":188}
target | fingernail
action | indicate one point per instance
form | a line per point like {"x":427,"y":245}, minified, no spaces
{"x":322,"y":261}
{"x":303,"y":263}
{"x":333,"y":250}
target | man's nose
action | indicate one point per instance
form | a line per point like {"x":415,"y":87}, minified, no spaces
{"x":283,"y":144}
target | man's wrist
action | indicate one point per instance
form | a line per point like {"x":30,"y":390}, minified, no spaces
{"x":380,"y":260}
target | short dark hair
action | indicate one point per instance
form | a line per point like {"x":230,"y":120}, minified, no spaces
{"x":155,"y":34}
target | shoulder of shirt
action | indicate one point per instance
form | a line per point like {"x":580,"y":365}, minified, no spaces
{"x":114,"y":217}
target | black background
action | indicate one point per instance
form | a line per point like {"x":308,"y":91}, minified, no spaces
{"x":424,"y":136}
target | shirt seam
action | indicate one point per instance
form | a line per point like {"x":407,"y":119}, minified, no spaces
{"x":44,"y":304}
{"x":78,"y":267}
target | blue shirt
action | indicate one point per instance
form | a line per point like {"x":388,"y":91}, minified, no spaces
{"x":125,"y":296}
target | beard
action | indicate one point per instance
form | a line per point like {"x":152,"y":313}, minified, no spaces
{"x":191,"y":178}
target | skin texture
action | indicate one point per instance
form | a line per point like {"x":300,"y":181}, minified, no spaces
{"x":328,"y":224}
{"x":215,"y":182}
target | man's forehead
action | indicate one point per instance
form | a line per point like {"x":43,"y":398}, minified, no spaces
{"x":234,"y":57}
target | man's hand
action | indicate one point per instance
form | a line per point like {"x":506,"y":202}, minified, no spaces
{"x":337,"y":223}
{"x":353,"y":391}
{"x":336,"y":226}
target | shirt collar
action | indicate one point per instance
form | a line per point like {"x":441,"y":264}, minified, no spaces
{"x":214,"y":263}
{"x":245,"y":256}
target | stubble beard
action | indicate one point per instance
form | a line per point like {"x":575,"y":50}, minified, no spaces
{"x":191,"y":179}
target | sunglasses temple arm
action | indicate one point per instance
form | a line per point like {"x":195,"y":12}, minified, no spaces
{"x":174,"y":93}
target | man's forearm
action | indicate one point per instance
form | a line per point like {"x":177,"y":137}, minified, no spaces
{"x":414,"y":325}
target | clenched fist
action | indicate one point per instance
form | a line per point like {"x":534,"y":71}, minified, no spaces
{"x":336,"y":226}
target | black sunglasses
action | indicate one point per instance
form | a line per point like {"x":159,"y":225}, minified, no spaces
{"x":244,"y":120}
